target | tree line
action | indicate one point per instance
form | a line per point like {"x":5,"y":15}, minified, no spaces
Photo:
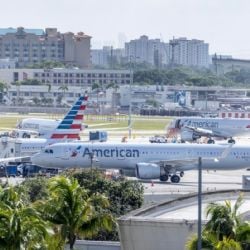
{"x":46,"y":214}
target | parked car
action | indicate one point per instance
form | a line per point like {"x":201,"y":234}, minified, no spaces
{"x":158,"y":139}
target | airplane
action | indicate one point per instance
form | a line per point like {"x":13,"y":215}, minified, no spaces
{"x":146,"y":161}
{"x":193,"y":128}
{"x":67,"y":130}
{"x":38,"y":126}
{"x":41,"y":125}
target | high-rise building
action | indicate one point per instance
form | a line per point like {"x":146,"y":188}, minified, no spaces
{"x":29,"y":46}
{"x":178,"y":51}
{"x":152,"y":51}
{"x":107,"y":56}
{"x":189,"y":52}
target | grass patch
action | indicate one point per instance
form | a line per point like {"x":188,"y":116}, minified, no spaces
{"x":102,"y":122}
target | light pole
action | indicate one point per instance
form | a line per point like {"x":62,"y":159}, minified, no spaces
{"x":129,"y":111}
{"x":91,"y":156}
{"x":199,"y":202}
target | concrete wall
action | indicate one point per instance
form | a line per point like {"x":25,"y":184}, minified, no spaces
{"x":143,"y":234}
{"x":95,"y":245}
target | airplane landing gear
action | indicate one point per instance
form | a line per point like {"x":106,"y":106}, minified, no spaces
{"x":210,"y":141}
{"x":164,"y":177}
{"x":231,"y":141}
{"x":181,"y":174}
{"x":175,"y":178}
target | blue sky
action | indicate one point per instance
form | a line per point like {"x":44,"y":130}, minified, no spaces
{"x":224,"y":24}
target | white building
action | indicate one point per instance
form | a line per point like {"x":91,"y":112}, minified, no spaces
{"x":68,"y":77}
{"x":107,"y":56}
{"x":169,"y":224}
{"x":152,"y":51}
{"x":189,"y":52}
{"x":7,"y":63}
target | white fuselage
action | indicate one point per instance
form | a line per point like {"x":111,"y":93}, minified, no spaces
{"x":227,"y":127}
{"x":28,"y":147}
{"x":126,"y":156}
{"x":43,"y":126}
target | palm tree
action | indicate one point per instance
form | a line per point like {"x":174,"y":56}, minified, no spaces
{"x":64,"y":88}
{"x":224,"y":230}
{"x":224,"y":218}
{"x":21,"y":226}
{"x":49,"y":87}
{"x":3,"y":87}
{"x":73,"y":211}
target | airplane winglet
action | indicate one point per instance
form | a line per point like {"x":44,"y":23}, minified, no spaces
{"x":225,"y":153}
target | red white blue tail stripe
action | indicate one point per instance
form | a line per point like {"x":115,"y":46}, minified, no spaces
{"x":71,"y":126}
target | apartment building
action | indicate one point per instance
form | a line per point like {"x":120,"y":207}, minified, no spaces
{"x":189,"y":52}
{"x":107,"y":56}
{"x":29,"y":46}
{"x":152,"y":51}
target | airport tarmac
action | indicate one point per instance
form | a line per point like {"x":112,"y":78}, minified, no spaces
{"x":211,"y":181}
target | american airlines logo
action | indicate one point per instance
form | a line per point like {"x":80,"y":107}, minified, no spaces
{"x":76,"y":151}
{"x":205,"y":124}
{"x":113,"y":152}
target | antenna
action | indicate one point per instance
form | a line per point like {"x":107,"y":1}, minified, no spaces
{"x":173,"y":43}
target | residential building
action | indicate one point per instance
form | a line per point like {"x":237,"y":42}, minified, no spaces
{"x":189,"y":52}
{"x":107,"y":56}
{"x":151,"y":51}
{"x":29,"y":46}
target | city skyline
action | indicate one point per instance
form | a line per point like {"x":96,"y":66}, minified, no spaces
{"x":112,"y":22}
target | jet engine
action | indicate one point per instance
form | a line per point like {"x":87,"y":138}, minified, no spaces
{"x":189,"y":135}
{"x":148,"y":171}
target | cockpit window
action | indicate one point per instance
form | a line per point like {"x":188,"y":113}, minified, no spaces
{"x":48,"y":151}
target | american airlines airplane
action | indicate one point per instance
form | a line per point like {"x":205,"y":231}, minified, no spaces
{"x":43,"y":127}
{"x":148,"y":161}
{"x":193,"y":128}
{"x":67,"y":130}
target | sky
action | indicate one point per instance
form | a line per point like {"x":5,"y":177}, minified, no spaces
{"x":224,"y":24}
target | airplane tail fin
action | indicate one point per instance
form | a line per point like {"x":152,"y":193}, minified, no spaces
{"x":71,"y":125}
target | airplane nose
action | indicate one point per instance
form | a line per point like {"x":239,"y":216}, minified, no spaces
{"x":36,"y":159}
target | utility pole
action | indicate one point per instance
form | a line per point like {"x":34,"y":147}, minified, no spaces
{"x":130,"y":95}
{"x":199,"y":203}
{"x":91,"y":156}
{"x":173,"y":43}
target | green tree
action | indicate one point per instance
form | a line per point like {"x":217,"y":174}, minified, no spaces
{"x":75,"y":213}
{"x":64,"y":88}
{"x":36,"y":188}
{"x":123,"y":195}
{"x":21,"y":226}
{"x":3,"y":87}
{"x":224,"y":229}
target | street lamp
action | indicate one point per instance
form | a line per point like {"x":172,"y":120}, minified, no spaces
{"x":199,"y":202}
{"x":130,"y":90}
{"x":91,"y":156}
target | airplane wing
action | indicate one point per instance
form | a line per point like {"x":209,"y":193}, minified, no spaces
{"x":102,"y":127}
{"x":14,"y":159}
{"x":33,"y":132}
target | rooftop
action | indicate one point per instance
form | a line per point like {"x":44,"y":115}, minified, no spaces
{"x":185,"y":207}
{"x":38,"y":32}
